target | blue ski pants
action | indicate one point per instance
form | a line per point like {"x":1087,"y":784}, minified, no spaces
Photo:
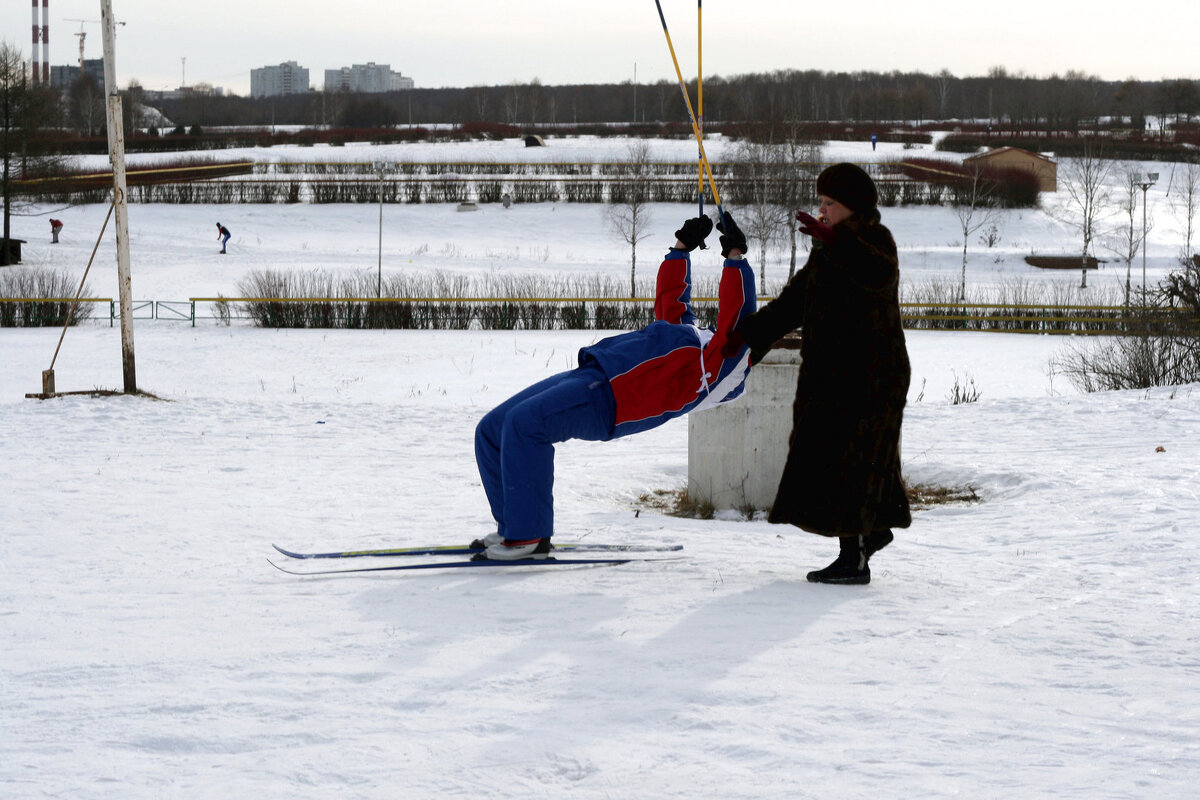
{"x":514,"y":446}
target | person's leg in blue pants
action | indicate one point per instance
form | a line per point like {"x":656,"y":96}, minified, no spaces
{"x":514,"y":446}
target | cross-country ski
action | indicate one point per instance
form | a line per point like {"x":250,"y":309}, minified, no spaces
{"x":478,"y":564}
{"x":454,"y":550}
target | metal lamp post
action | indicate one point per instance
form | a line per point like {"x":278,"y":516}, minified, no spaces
{"x":1145,"y":181}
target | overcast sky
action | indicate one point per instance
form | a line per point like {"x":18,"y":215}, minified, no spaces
{"x":485,"y":42}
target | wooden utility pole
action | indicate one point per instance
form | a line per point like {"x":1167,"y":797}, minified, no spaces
{"x":116,"y":154}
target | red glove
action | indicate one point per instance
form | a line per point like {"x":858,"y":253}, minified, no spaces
{"x":814,"y":227}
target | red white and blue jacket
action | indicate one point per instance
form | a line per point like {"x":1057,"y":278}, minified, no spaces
{"x":673,"y":366}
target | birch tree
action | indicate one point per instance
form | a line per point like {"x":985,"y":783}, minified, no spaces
{"x":1186,"y":186}
{"x":629,"y":213}
{"x":764,"y":216}
{"x":1088,"y":198}
{"x":1131,"y":231}
{"x":802,"y":163}
{"x":974,"y":207}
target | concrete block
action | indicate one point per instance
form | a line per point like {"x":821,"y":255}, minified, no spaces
{"x":737,"y":450}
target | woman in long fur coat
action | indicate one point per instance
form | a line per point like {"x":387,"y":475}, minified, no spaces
{"x":842,"y":476}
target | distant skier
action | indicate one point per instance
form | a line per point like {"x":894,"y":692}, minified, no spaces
{"x":55,"y":226}
{"x":623,"y":385}
{"x":222,"y":234}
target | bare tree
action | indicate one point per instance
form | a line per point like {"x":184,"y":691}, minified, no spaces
{"x":1129,"y":233}
{"x":133,"y":106}
{"x":12,"y":87}
{"x":86,"y":104}
{"x":25,"y":111}
{"x":758,"y":167}
{"x":1187,"y":195}
{"x":333,"y":105}
{"x":944,"y":81}
{"x":975,"y":209}
{"x":629,"y":213}
{"x":1166,"y":351}
{"x":1088,"y":201}
{"x":802,"y":162}
{"x":534,"y":100}
{"x":512,"y":104}
{"x":479,"y":103}
{"x":1179,"y":98}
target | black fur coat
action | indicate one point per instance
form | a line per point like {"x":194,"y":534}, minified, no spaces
{"x":842,"y":475}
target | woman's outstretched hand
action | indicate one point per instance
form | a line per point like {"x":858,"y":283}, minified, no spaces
{"x":814,"y":227}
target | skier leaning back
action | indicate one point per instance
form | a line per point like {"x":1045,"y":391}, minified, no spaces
{"x":623,"y":385}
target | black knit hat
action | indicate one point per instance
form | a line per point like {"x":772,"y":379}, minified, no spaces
{"x":849,"y":185}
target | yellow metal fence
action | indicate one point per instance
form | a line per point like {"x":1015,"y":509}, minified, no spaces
{"x":565,"y":313}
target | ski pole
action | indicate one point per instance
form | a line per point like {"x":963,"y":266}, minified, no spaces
{"x":691,"y":114}
{"x":700,"y":97}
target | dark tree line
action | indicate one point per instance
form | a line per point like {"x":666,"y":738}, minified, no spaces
{"x":1000,"y":98}
{"x":26,"y":110}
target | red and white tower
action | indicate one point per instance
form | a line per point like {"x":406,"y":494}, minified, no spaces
{"x":40,"y":68}
{"x":46,"y":42}
{"x":34,"y":63}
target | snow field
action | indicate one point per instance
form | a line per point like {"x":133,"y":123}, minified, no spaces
{"x":1039,"y":643}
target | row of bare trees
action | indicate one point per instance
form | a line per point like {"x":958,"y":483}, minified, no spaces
{"x":1000,"y":98}
{"x":1102,"y":201}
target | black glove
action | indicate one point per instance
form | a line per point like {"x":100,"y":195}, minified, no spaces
{"x":732,"y":237}
{"x":693,"y":232}
{"x":734,"y":343}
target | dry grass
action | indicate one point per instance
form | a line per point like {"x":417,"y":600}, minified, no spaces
{"x":923,"y":495}
{"x":678,"y":503}
{"x":675,"y":503}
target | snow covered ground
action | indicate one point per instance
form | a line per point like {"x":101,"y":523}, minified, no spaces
{"x":1042,"y":642}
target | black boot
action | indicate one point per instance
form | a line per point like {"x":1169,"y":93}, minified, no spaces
{"x":876,"y":541}
{"x":850,"y":566}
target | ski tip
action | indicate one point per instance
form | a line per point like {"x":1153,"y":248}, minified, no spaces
{"x":287,"y":571}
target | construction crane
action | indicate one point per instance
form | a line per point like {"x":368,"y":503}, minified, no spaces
{"x":83,"y":35}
